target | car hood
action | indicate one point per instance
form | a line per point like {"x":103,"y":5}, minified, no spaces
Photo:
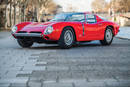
{"x":36,"y":26}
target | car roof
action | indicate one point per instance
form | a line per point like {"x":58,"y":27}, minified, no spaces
{"x":78,"y":13}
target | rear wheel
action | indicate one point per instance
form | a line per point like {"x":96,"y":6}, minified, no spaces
{"x":108,"y":37}
{"x":67,"y":38}
{"x":25,"y":44}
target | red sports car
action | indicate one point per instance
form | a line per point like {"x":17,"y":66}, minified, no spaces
{"x":66,"y":29}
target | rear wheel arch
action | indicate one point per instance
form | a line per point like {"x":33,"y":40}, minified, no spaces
{"x":110,"y":26}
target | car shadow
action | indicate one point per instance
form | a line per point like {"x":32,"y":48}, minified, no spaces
{"x":46,"y":47}
{"x":56,"y":47}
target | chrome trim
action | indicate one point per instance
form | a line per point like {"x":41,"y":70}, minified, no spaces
{"x":27,"y":35}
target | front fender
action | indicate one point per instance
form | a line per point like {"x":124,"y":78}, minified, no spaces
{"x":77,"y":26}
{"x":22,"y":25}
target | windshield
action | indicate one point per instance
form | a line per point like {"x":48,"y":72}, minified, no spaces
{"x":69,"y":17}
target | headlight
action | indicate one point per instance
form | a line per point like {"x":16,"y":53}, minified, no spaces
{"x":14,"y":29}
{"x":48,"y":30}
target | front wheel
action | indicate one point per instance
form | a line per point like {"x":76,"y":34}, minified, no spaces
{"x":67,"y":38}
{"x":24,"y":43}
{"x":108,"y":37}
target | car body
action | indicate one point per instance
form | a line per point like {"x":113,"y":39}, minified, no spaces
{"x":81,"y":27}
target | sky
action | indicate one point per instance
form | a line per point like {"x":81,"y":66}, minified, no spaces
{"x":79,"y":5}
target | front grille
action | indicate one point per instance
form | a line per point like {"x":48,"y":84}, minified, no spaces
{"x":34,"y":39}
{"x":22,"y":32}
{"x":35,"y":32}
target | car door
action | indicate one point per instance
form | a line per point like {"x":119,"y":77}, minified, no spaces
{"x":91,"y":27}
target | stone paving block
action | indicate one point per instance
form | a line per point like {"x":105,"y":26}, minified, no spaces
{"x":31,"y":62}
{"x":53,"y":75}
{"x":10,"y":68}
{"x":57,"y":85}
{"x":74,"y":68}
{"x":64,"y":74}
{"x":7,"y":65}
{"x":24,"y":72}
{"x":15,"y":68}
{"x":72,"y":80}
{"x":85,"y":67}
{"x":43,"y":75}
{"x":89,"y":84}
{"x":19,"y":64}
{"x":101,"y":79}
{"x":49,"y":81}
{"x":23,"y":75}
{"x":18,"y":85}
{"x":4,"y":84}
{"x":118,"y":84}
{"x":47,"y":60}
{"x":37,"y":76}
{"x":31,"y":68}
{"x":78,"y":74}
{"x":123,"y":77}
{"x":99,"y":76}
{"x":57,"y":68}
{"x":10,"y":74}
{"x":34,"y":84}
{"x":3,"y":72}
{"x":13,"y":80}
{"x":13,"y":74}
{"x":41,"y":63}
{"x":33,"y":57}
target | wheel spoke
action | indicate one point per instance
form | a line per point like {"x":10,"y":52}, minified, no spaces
{"x":68,"y":37}
{"x":108,"y":35}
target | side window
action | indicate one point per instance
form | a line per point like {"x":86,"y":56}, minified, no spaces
{"x":91,"y":18}
{"x":76,"y":17}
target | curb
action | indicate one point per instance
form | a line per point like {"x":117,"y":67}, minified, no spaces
{"x":123,"y":38}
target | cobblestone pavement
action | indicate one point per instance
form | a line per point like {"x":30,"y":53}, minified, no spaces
{"x":87,"y":65}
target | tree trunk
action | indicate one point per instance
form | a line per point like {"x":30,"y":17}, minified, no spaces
{"x":14,"y":13}
{"x":10,"y":13}
{"x":24,"y":13}
{"x":6,"y":23}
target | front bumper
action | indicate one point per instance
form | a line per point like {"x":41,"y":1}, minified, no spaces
{"x":35,"y":37}
{"x":27,"y":35}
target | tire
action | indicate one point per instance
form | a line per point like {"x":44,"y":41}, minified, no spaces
{"x":108,"y":37}
{"x":67,"y":38}
{"x":24,"y":43}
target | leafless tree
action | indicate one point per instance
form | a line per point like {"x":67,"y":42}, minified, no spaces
{"x":15,"y":11}
{"x":99,"y":5}
{"x":120,"y":5}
